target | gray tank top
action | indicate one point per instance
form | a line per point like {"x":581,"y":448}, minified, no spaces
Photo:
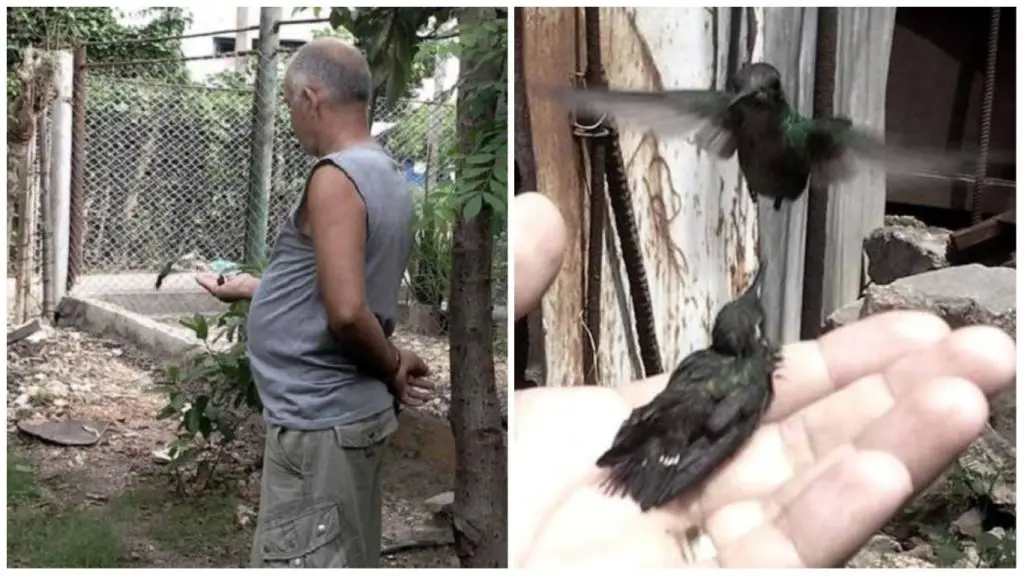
{"x":305,"y":379}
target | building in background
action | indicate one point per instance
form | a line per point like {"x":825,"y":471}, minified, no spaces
{"x":216,"y":17}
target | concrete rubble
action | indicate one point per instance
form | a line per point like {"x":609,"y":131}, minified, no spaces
{"x":905,"y":246}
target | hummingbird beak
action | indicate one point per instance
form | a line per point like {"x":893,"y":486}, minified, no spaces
{"x":742,"y":96}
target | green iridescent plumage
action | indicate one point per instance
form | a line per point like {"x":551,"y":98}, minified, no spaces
{"x":713,"y":403}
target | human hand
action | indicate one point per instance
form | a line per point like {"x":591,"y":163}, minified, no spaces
{"x":863,"y":418}
{"x":235,"y":287}
{"x":409,"y":384}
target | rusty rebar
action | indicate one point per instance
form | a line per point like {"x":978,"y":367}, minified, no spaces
{"x":980,"y":184}
{"x":595,"y":246}
{"x":632,"y":257}
{"x":817,"y":197}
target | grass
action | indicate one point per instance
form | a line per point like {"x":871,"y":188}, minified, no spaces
{"x":43,"y":532}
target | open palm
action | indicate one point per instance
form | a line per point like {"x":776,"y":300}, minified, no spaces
{"x":863,"y":418}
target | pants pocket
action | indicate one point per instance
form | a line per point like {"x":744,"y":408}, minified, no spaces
{"x":370,"y":433}
{"x":312,"y":538}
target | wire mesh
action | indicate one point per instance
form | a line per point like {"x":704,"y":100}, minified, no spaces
{"x":167,"y":172}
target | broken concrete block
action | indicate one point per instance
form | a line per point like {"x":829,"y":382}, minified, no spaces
{"x":903,"y":247}
{"x":961,"y":295}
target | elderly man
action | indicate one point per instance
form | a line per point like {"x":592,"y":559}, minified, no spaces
{"x":319,"y":324}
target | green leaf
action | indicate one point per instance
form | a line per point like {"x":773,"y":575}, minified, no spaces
{"x":192,"y":418}
{"x":986,"y":541}
{"x":481,"y":160}
{"x":469,"y":173}
{"x":947,"y":553}
{"x":499,"y":189}
{"x":496,"y":203}
{"x":472,"y":207}
{"x":177,"y":401}
{"x":173,"y":372}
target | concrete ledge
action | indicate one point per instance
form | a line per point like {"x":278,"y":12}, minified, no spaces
{"x":164,"y":342}
{"x":169,"y":303}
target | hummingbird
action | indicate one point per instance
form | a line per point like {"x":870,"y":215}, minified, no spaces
{"x":713,"y":403}
{"x":777,"y":148}
{"x":193,"y":262}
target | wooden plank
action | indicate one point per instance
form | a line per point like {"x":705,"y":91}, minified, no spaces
{"x":857,"y":206}
{"x":548,"y":60}
{"x":984,"y":231}
{"x":788,"y":43}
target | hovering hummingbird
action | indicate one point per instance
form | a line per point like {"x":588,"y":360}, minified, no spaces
{"x":777,"y":148}
{"x":713,"y":403}
{"x":193,"y":262}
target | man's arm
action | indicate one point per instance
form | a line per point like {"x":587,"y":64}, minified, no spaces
{"x":334,"y":216}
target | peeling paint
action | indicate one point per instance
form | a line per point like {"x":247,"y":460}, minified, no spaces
{"x":694,"y":218}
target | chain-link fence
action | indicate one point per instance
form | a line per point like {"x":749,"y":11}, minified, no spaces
{"x":167,"y":173}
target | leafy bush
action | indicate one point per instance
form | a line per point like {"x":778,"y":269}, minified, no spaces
{"x":212,"y":393}
{"x":968,"y":489}
{"x":430,"y":260}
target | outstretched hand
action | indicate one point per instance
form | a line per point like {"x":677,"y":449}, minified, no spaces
{"x":863,"y":418}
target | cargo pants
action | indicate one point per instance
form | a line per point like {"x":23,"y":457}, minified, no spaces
{"x":320,"y":499}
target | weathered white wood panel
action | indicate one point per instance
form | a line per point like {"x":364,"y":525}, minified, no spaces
{"x":856,"y":207}
{"x":695,"y":220}
{"x":789,"y":45}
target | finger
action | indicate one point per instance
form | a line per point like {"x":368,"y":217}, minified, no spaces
{"x":814,"y":369}
{"x":207,"y":281}
{"x":949,"y":412}
{"x":540,"y":240}
{"x":781,"y":459}
{"x":930,"y":428}
{"x":418,"y":393}
{"x":421,"y":383}
{"x":982,"y":355}
{"x":830,"y":520}
{"x":411,"y":400}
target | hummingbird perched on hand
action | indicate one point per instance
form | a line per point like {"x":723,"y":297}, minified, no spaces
{"x":777,"y":148}
{"x":713,"y":403}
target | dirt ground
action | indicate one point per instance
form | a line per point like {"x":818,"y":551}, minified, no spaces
{"x":119,"y":484}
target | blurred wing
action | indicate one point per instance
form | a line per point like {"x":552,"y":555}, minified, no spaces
{"x":678,"y":112}
{"x":838,"y":149}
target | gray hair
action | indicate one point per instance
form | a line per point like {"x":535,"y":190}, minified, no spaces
{"x":346,"y":80}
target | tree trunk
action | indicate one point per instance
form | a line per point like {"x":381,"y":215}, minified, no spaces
{"x":480,"y":510}
{"x":34,"y":77}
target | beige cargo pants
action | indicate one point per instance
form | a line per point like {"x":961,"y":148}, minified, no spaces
{"x":320,"y":501}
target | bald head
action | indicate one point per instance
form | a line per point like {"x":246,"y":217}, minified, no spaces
{"x":333,"y":66}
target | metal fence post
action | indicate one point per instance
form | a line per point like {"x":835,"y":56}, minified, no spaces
{"x":261,"y":161}
{"x":60,"y":169}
